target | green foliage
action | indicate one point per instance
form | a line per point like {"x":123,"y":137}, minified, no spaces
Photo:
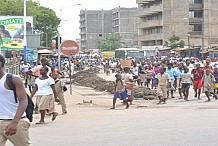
{"x":110,"y":43}
{"x":175,"y":42}
{"x":45,"y":19}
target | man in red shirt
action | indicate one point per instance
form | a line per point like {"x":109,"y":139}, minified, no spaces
{"x":197,"y":78}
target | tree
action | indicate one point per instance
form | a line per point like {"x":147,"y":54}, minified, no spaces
{"x":45,"y":19}
{"x":175,"y":42}
{"x":110,"y":43}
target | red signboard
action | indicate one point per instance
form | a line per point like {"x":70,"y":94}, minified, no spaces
{"x":69,"y":48}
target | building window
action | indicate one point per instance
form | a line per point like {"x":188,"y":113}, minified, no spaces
{"x":154,"y":30}
{"x":195,"y":2}
{"x":195,"y":27}
{"x":155,"y":17}
{"x":195,"y":14}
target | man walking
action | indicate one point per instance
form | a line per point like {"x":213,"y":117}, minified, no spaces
{"x":197,"y":75}
{"x":163,"y":83}
{"x":13,"y":122}
{"x":171,"y":72}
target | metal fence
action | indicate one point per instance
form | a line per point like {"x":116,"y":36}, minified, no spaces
{"x":12,"y":64}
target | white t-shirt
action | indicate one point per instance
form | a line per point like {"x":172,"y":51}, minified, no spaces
{"x":186,"y":78}
{"x":44,"y":86}
{"x":190,"y":68}
{"x":135,"y":71}
{"x":25,"y":67}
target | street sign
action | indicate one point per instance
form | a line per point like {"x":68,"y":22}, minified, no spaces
{"x":69,"y":48}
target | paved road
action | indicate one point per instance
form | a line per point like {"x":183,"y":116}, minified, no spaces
{"x":178,"y":123}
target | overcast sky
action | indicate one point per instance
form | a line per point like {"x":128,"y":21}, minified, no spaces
{"x":70,"y":12}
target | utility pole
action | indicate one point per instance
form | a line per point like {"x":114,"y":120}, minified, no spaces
{"x":59,"y":53}
{"x":202,"y":24}
{"x":189,"y":45}
{"x":24,"y":30}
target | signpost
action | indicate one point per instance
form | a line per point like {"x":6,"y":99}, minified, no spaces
{"x":69,"y":48}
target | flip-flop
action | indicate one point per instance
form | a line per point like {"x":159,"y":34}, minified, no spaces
{"x":54,"y":116}
{"x":40,"y":123}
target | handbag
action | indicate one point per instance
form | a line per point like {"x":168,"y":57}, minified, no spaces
{"x":64,"y":88}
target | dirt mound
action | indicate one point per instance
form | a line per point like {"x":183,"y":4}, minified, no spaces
{"x":88,"y":78}
{"x":142,"y":92}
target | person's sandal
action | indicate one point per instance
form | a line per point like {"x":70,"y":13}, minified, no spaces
{"x":54,"y":116}
{"x":40,"y":123}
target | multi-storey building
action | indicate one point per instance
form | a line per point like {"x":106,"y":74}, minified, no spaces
{"x":194,"y":21}
{"x":124,"y":22}
{"x":95,"y":25}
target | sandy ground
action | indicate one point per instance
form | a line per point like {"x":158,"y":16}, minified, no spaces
{"x":177,"y":123}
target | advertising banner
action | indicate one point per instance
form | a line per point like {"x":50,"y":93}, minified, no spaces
{"x":31,"y":55}
{"x":11,"y":31}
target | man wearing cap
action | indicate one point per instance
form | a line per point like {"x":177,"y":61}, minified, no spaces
{"x":197,"y":77}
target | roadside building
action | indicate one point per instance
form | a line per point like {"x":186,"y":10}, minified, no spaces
{"x":194,"y":21}
{"x":95,"y":25}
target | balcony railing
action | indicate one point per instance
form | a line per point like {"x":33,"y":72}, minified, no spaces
{"x":195,"y":6}
{"x":148,"y":11}
{"x":82,"y":26}
{"x":82,"y":33}
{"x":195,"y":33}
{"x":150,"y":23}
{"x":143,"y":1}
{"x":195,"y":20}
{"x":150,"y":37}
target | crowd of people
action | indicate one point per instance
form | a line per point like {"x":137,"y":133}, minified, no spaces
{"x":43,"y":80}
{"x":16,"y":105}
{"x":166,"y":77}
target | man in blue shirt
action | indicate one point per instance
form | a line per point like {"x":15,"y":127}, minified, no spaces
{"x":171,"y":72}
{"x":177,"y":74}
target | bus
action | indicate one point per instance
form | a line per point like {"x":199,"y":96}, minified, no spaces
{"x":124,"y":53}
{"x":108,"y":54}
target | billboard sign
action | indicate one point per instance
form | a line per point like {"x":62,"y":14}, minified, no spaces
{"x":11,"y":31}
{"x":152,"y":48}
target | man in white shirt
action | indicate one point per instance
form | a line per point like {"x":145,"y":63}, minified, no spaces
{"x":190,"y":66}
{"x":13,"y":122}
{"x":135,"y":72}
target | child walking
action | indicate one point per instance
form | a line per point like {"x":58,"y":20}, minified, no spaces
{"x":120,"y":91}
{"x":185,"y":82}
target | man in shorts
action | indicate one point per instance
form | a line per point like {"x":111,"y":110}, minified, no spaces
{"x":197,"y":77}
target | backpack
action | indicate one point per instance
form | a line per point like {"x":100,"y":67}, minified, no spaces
{"x":30,"y":105}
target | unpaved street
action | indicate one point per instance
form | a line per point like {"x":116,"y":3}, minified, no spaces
{"x":178,"y":123}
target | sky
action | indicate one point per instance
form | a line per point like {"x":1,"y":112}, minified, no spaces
{"x":69,"y":28}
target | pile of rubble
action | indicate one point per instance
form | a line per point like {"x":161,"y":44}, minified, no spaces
{"x":144,"y":93}
{"x":93,"y":69}
{"x":88,"y":78}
